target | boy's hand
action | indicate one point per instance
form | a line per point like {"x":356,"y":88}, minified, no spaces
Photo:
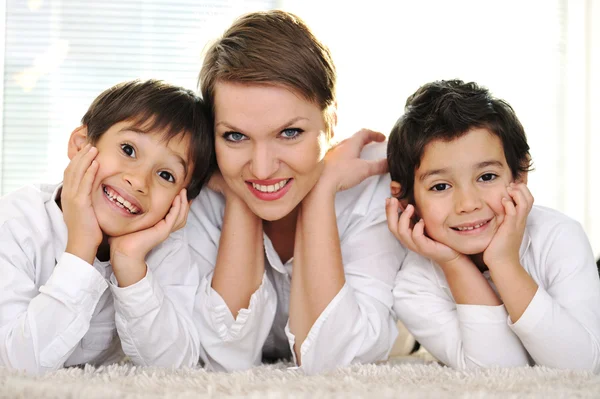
{"x":505,"y":245}
{"x":344,"y":168}
{"x":128,"y":252}
{"x":84,"y":233}
{"x":414,"y":237}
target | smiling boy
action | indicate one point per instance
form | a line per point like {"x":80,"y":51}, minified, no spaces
{"x":492,"y":279}
{"x":94,"y":267}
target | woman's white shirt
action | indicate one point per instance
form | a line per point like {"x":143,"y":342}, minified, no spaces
{"x":358,"y":325}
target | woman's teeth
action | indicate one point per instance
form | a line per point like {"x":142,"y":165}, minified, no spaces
{"x":270,"y":188}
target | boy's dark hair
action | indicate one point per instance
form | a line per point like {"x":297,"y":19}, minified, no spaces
{"x":446,"y":110}
{"x":153,"y":105}
{"x":272,"y":48}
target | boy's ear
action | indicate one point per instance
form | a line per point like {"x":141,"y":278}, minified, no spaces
{"x":522,"y":178}
{"x":395,"y":189}
{"x":77,"y":141}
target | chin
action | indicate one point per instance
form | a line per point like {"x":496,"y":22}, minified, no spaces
{"x":472,"y":249}
{"x":271,"y":213}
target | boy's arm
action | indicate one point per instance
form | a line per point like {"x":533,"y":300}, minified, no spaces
{"x":154,"y":316}
{"x":154,"y":284}
{"x":561,"y":325}
{"x":457,"y":324}
{"x":462,"y":336}
{"x":40,"y":329}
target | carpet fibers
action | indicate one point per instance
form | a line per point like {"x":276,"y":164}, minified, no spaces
{"x":399,"y":378}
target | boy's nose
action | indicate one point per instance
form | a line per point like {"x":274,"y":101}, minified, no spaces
{"x":467,"y":200}
{"x":137,"y":181}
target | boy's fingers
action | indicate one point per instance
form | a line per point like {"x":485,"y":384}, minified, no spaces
{"x":509,"y":207}
{"x":418,"y":236}
{"x":81,"y":166}
{"x":87,"y":181}
{"x":391,"y":213}
{"x":68,"y":178}
{"x":183,"y":211}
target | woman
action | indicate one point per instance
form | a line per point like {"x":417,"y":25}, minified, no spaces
{"x":292,"y":240}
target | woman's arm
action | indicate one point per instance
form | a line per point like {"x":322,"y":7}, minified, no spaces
{"x":318,"y":276}
{"x":235,"y":303}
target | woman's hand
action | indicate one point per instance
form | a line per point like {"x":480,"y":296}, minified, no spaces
{"x":344,"y":168}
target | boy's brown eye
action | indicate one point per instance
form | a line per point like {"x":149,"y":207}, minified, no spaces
{"x":128,"y":150}
{"x":167,"y":176}
{"x":440,"y":187}
{"x":488,"y":177}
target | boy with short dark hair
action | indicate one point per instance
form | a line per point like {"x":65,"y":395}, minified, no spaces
{"x":491,"y":280}
{"x":143,"y":150}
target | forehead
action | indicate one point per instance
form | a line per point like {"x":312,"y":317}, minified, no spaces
{"x":258,"y":107}
{"x":167,"y":142}
{"x":476,"y":146}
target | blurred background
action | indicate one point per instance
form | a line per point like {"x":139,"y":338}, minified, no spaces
{"x":542,"y":56}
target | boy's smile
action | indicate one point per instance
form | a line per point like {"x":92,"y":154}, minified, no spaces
{"x":138,"y":177}
{"x":458,"y":190}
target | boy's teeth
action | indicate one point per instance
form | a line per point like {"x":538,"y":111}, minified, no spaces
{"x":120,"y":201}
{"x":471,"y":227}
{"x":271,"y":188}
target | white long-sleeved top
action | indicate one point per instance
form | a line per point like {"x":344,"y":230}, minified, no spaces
{"x":56,"y":310}
{"x":358,"y":325}
{"x":560,"y":327}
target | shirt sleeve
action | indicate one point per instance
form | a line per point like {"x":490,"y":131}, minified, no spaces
{"x":228,"y":343}
{"x":561,"y":326}
{"x":358,"y":325}
{"x":460,"y":336}
{"x":154,"y":317}
{"x":39,"y":330}
{"x":234,"y":344}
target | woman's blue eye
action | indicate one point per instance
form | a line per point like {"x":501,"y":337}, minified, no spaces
{"x":167,"y":176}
{"x":488,"y":177}
{"x":128,"y":150}
{"x":291,"y":133}
{"x":440,"y":187}
{"x":234,"y":136}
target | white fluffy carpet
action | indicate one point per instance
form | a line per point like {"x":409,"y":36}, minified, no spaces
{"x":405,"y":377}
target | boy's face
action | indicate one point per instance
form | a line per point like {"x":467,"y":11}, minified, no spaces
{"x":138,"y":177}
{"x":458,"y":190}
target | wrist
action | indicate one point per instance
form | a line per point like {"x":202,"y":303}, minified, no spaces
{"x":85,"y":251}
{"x":324,"y":190}
{"x":128,"y":270}
{"x":460,"y":262}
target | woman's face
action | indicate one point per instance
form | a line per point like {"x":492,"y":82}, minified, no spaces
{"x":270,"y":143}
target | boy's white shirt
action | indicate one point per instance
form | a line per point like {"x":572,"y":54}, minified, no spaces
{"x":57,"y":310}
{"x":560,"y":327}
{"x":358,"y":325}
